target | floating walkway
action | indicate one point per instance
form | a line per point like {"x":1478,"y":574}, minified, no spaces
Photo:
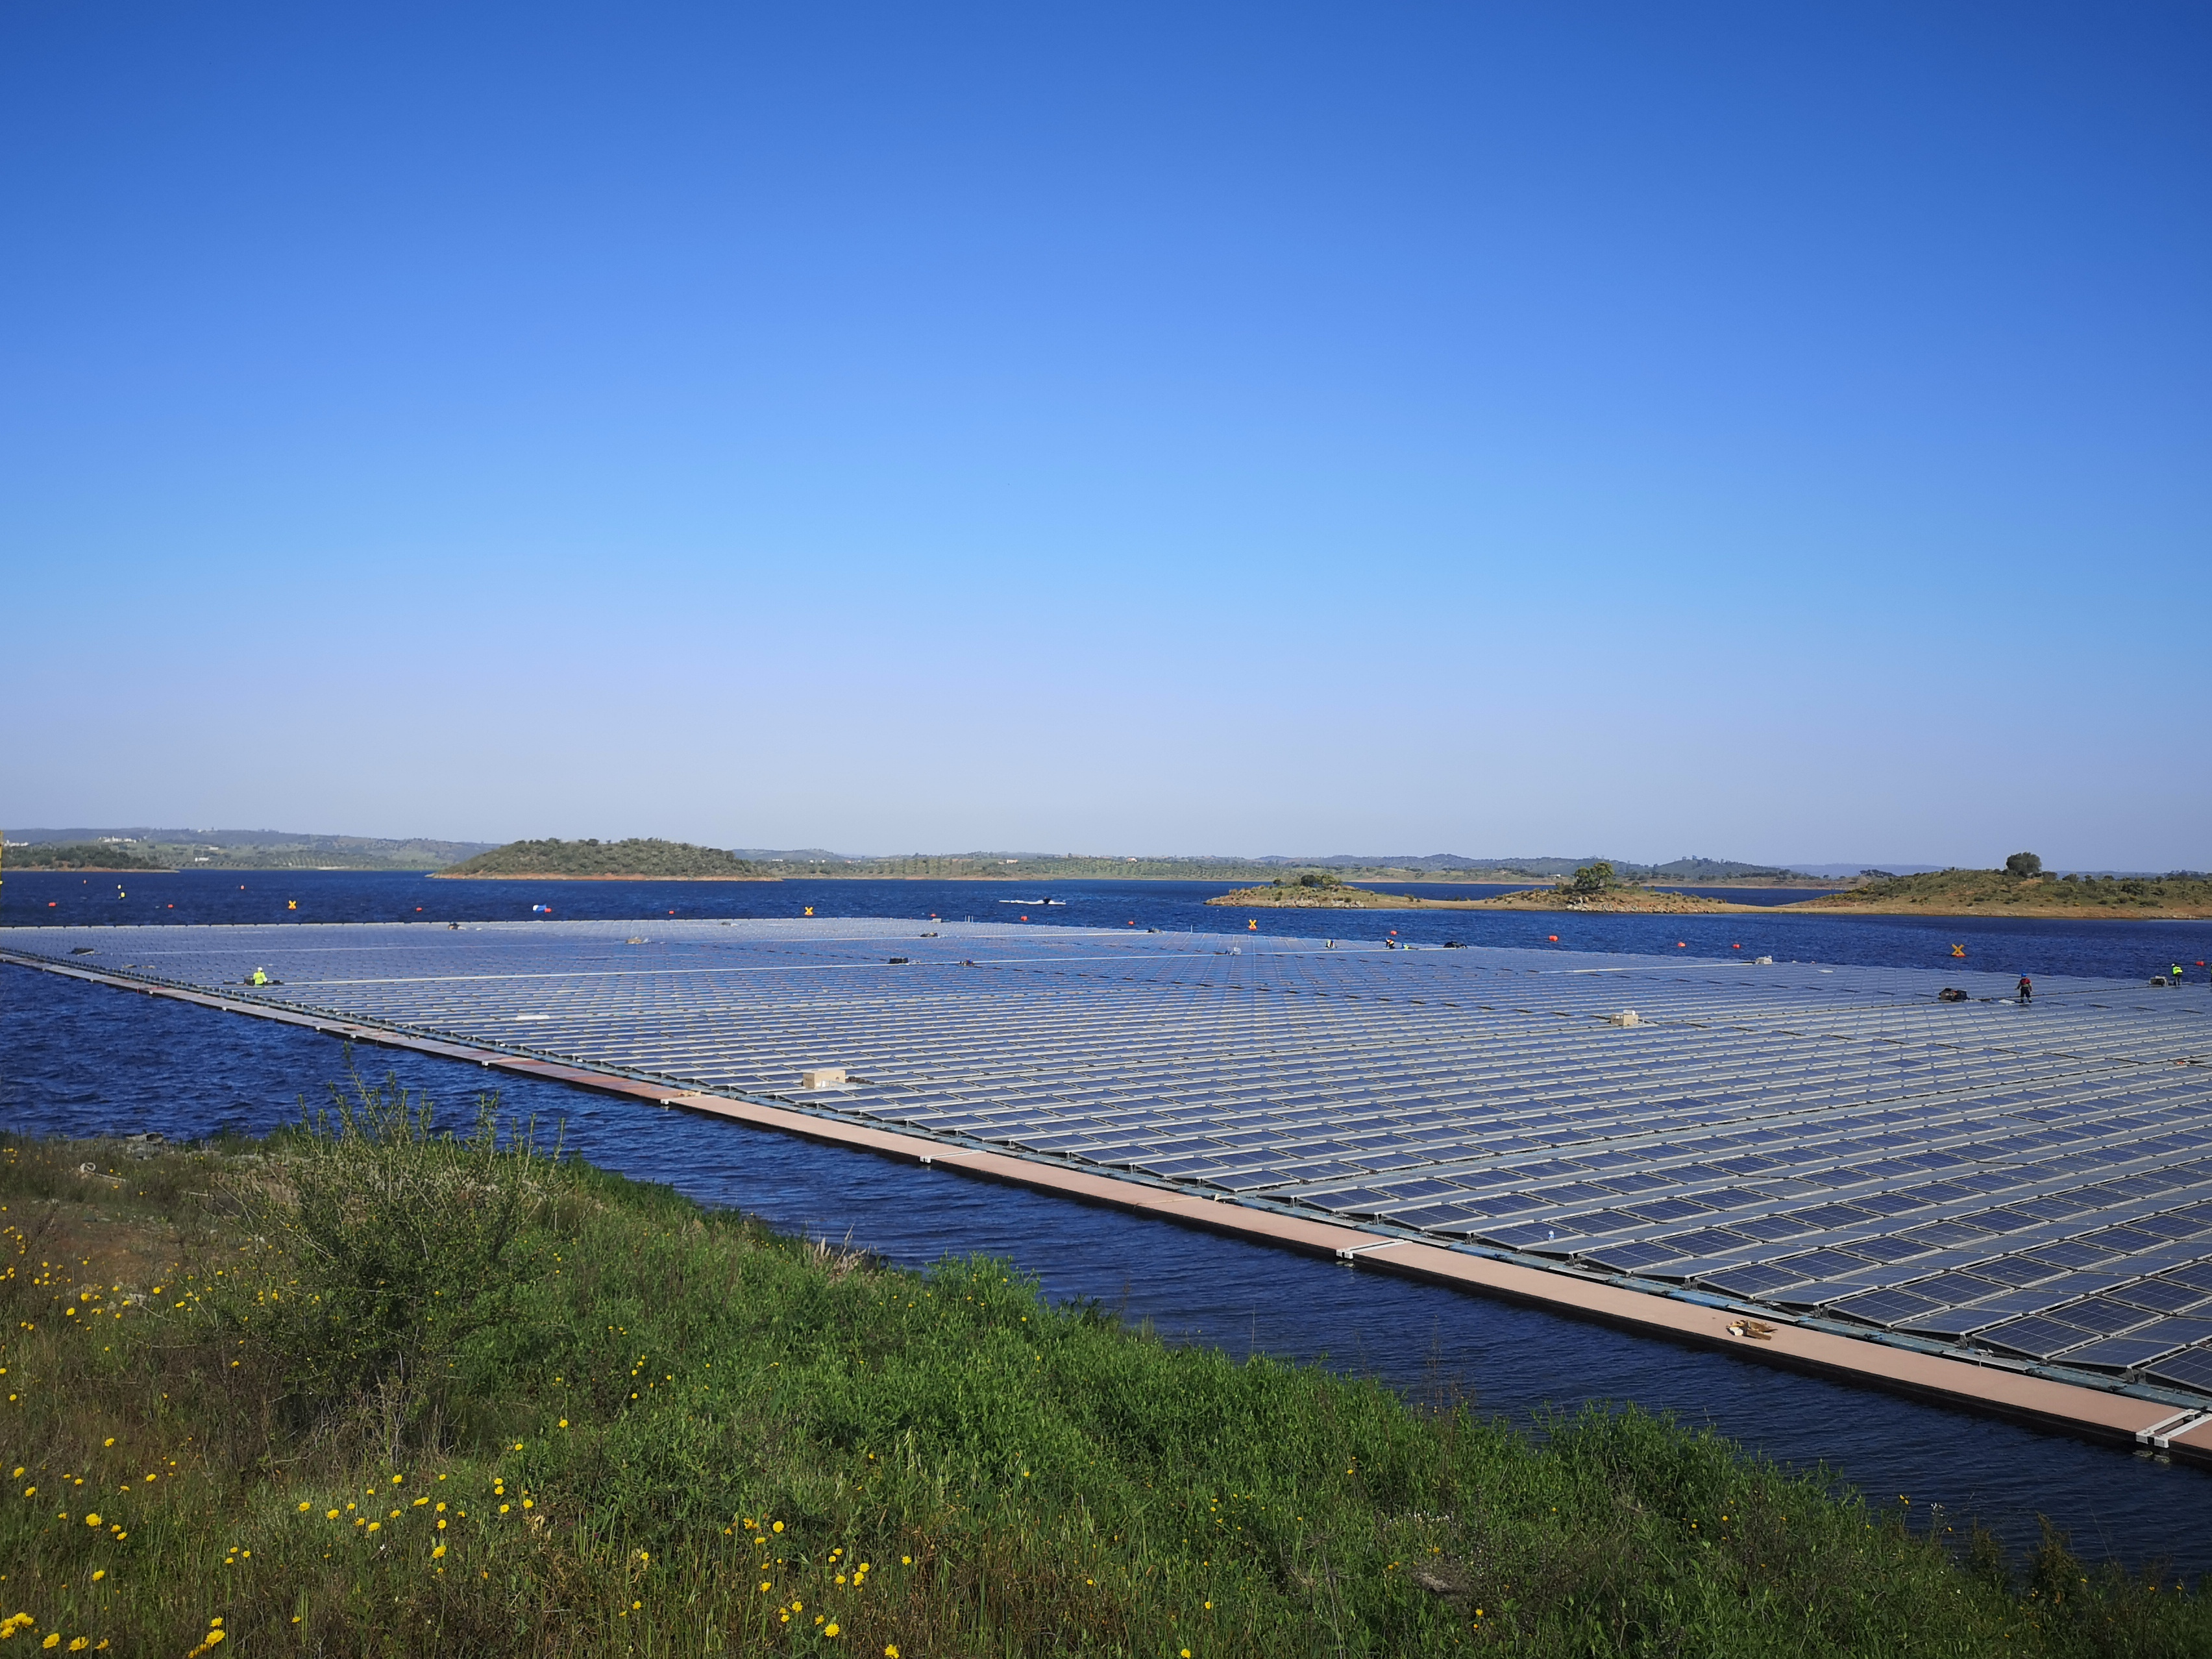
{"x":1823,"y":1167}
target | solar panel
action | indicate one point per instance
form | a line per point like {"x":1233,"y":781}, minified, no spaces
{"x":1883,"y":1308}
{"x":1796,"y":1137}
{"x":2036,"y":1337}
{"x":2117,"y":1353}
{"x":2190,"y":1331}
{"x":2164,"y":1295}
{"x":1629,"y":1258}
{"x":2103,"y":1314}
{"x":2190,"y":1369}
{"x":1822,"y":1264}
{"x":1748,"y":1280}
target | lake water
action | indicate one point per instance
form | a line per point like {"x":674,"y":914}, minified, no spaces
{"x":2098,"y":949}
{"x":77,"y":1059}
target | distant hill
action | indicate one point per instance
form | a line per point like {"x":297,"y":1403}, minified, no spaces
{"x":2184,"y":894}
{"x":649,"y":858}
{"x":1071,"y":866}
{"x":143,"y":848}
{"x":1875,"y":868}
{"x":1456,"y":865}
{"x":547,"y":858}
{"x":77,"y":855}
{"x":261,"y":849}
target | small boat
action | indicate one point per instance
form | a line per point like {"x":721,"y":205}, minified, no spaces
{"x":1034,"y":902}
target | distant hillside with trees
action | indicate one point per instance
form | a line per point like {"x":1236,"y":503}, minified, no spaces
{"x":2023,"y":888}
{"x":648,"y":858}
{"x":254,"y":849}
{"x":651,"y":857}
{"x":76,"y":855}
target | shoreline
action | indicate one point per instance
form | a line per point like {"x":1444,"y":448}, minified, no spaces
{"x":1542,"y":900}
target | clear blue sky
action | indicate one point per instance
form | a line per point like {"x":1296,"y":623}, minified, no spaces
{"x":1779,"y":432}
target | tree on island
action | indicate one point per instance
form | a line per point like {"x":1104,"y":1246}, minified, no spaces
{"x":1596,"y":878}
{"x":2023,"y":865}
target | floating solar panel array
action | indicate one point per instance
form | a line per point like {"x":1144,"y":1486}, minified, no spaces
{"x":1828,"y":1143}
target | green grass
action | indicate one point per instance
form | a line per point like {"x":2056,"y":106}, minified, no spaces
{"x":1961,"y":890}
{"x":633,"y":1415}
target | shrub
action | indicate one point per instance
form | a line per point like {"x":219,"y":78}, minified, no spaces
{"x":393,"y":1242}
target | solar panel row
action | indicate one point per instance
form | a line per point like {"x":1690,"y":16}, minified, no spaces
{"x":2034,"y":1181}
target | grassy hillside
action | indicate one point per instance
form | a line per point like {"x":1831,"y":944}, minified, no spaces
{"x":1961,"y":893}
{"x":364,"y":1389}
{"x":665,"y":861}
{"x":78,"y":855}
{"x":1594,"y":887}
{"x":265,"y":849}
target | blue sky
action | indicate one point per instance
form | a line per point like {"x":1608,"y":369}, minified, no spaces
{"x":1771,"y":432}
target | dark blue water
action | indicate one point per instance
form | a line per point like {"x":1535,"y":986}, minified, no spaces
{"x":2098,"y":949}
{"x":80,"y":1059}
